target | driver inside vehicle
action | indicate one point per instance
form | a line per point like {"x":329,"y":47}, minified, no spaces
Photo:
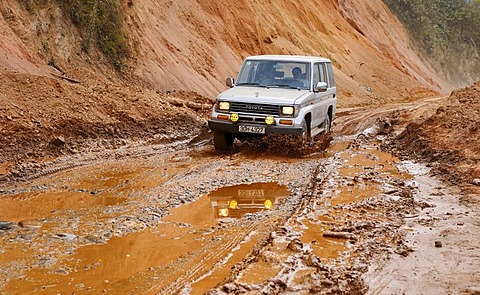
{"x":297,"y":76}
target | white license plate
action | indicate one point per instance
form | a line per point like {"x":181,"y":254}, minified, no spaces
{"x":251,"y":129}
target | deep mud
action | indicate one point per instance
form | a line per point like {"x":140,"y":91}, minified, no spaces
{"x":322,"y":220}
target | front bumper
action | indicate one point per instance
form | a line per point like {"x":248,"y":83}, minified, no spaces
{"x":232,"y":128}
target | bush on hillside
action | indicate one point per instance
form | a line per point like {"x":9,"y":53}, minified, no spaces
{"x":100,"y":22}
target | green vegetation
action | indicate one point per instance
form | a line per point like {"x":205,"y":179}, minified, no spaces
{"x":447,"y":31}
{"x":101,"y":23}
{"x":32,"y":5}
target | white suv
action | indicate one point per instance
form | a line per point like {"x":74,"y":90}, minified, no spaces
{"x":275,"y":94}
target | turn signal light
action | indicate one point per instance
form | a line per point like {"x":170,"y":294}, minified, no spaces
{"x":222,"y":117}
{"x":286,"y":122}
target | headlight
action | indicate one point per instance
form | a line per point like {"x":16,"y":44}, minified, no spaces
{"x":223,"y":212}
{"x":289,"y":111}
{"x":224,"y":105}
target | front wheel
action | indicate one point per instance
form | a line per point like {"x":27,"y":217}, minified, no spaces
{"x":306,"y":131}
{"x":222,"y":141}
{"x":327,"y":124}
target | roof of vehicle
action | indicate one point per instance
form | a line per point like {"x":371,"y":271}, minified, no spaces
{"x":300,"y":58}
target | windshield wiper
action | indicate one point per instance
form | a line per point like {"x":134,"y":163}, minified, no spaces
{"x":286,"y":86}
{"x":251,"y":84}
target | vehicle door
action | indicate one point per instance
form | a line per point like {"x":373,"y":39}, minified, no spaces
{"x":321,"y":98}
{"x":331,"y":94}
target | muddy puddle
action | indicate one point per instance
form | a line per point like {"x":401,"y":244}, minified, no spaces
{"x":153,"y":231}
{"x":39,"y":205}
{"x":323,"y":247}
{"x":185,"y":247}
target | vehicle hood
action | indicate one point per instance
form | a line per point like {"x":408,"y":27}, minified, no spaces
{"x":280,"y":96}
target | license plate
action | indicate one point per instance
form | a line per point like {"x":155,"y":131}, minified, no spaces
{"x":251,"y":193}
{"x":251,"y":129}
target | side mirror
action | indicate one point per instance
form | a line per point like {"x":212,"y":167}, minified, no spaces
{"x":230,"y":82}
{"x":321,"y":87}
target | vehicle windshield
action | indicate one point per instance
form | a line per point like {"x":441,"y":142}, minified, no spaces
{"x":271,"y":73}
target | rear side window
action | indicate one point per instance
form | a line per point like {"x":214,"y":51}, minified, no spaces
{"x":331,"y":79}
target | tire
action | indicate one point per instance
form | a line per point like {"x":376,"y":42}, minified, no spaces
{"x":222,"y":141}
{"x":306,"y":132}
{"x":327,"y":124}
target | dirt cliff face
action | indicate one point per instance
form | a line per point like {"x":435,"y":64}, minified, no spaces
{"x":195,"y":45}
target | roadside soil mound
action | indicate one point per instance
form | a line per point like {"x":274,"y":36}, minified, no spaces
{"x":53,"y":116}
{"x":448,"y":138}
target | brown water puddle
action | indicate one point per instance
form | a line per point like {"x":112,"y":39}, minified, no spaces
{"x":356,"y":167}
{"x":328,"y":248}
{"x":155,"y":260}
{"x":374,"y":160}
{"x":350,"y":194}
{"x":91,"y":187}
{"x":44,"y":204}
{"x":235,"y":202}
{"x":259,"y":272}
{"x":118,"y":177}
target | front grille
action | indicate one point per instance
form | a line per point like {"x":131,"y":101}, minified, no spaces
{"x":255,"y":108}
{"x":254,"y":120}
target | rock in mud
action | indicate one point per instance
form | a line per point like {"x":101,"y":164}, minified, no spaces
{"x":340,"y":235}
{"x":58,"y":141}
{"x":31,"y":223}
{"x":295,"y":245}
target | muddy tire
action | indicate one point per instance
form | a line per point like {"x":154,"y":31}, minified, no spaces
{"x":327,"y":124}
{"x":306,"y":132}
{"x":222,"y":141}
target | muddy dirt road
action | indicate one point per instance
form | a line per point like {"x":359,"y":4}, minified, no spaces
{"x":181,"y":218}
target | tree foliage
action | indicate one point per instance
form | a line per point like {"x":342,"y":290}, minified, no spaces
{"x":447,"y":31}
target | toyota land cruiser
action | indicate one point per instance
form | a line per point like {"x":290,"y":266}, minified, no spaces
{"x":275,"y":94}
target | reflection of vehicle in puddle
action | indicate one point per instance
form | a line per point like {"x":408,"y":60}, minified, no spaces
{"x":236,"y":201}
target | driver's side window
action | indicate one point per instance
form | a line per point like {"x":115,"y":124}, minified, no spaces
{"x":319,"y":74}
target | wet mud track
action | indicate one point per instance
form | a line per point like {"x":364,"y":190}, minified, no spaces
{"x":179,"y":219}
{"x":192,"y":220}
{"x":151,"y":223}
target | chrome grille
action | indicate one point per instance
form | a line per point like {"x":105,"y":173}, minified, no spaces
{"x":254,"y":108}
